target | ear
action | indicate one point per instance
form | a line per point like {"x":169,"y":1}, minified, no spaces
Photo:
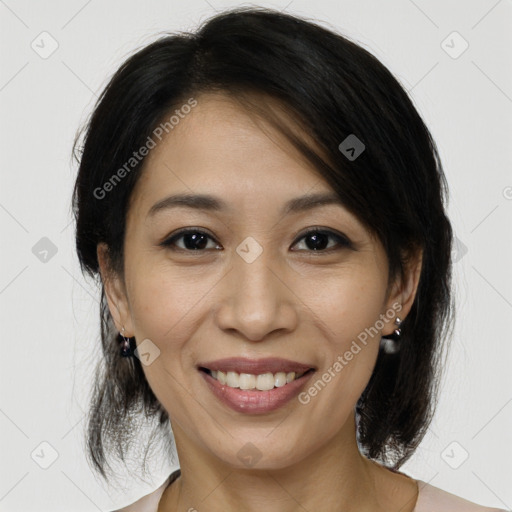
{"x":115,"y":292}
{"x":403,"y":290}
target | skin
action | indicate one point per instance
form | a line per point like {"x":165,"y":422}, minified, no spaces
{"x":291,"y":302}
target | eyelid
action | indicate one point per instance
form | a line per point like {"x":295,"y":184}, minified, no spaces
{"x":168,"y":240}
{"x":325,"y":231}
{"x":341,"y":238}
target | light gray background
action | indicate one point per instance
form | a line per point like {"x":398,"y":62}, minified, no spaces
{"x":49,"y":313}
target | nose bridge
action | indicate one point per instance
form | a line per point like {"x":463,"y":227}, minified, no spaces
{"x":256,"y":279}
{"x":256,"y":301}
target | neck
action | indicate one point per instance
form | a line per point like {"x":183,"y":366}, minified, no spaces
{"x":334,"y":477}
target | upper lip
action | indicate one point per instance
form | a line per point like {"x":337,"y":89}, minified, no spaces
{"x":256,"y":366}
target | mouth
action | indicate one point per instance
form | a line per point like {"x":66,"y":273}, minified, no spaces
{"x":255,"y":386}
{"x":248,"y":381}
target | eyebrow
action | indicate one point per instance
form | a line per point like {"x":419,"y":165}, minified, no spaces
{"x":212,"y":203}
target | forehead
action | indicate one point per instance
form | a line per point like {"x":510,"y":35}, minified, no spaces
{"x":222,"y":149}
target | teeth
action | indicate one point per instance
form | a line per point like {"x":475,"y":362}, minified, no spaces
{"x":262,"y":382}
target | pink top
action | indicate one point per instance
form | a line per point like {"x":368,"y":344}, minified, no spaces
{"x":430,"y":499}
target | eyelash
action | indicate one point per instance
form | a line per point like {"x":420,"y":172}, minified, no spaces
{"x":342,"y":240}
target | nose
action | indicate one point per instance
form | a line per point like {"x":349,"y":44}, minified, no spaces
{"x":257,"y":299}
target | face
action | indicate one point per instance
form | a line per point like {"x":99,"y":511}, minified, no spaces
{"x":250,"y":279}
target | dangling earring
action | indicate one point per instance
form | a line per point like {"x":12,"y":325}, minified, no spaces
{"x":126,"y":349}
{"x":391,"y":345}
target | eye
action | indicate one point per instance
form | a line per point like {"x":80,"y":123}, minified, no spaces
{"x":193,"y":240}
{"x":317,"y":240}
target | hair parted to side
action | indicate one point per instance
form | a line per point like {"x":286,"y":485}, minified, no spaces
{"x":329,"y":88}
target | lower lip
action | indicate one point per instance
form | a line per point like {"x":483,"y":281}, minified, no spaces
{"x":255,"y":402}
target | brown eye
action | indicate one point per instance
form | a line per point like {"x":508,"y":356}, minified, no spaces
{"x":193,"y":240}
{"x":318,"y":240}
{"x":315,"y":240}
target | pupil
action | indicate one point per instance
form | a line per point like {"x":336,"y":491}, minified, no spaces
{"x":319,"y":241}
{"x":198,"y":241}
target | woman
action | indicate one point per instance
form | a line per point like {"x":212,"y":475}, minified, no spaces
{"x":265,"y":209}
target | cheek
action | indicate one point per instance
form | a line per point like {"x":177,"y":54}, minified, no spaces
{"x":345,"y":304}
{"x":168,"y":306}
{"x":349,"y":353}
{"x":347,"y":311}
{"x":164,"y":300}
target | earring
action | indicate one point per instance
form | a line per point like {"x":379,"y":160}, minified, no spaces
{"x":392,"y":345}
{"x":126,"y":349}
{"x":398,"y":330}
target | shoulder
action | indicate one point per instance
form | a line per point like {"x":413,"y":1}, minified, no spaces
{"x":433,"y":499}
{"x":149,"y":502}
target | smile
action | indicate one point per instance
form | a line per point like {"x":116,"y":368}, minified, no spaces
{"x":261,"y":382}
{"x":255,"y":386}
